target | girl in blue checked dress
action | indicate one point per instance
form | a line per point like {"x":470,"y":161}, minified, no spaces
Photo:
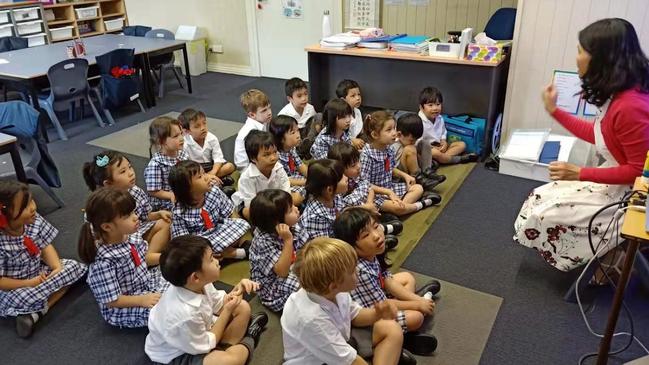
{"x":275,"y":243}
{"x":336,"y":118}
{"x":166,"y":138}
{"x":203,"y":209}
{"x":378,"y":166}
{"x":362,"y":230}
{"x":112,"y":169}
{"x":287,"y":136}
{"x":124,"y":286}
{"x":324,"y":184}
{"x":32,"y":276}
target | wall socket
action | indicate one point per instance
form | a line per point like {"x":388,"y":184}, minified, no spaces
{"x":216,"y":48}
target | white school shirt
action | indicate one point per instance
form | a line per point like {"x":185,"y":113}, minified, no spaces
{"x":356,"y":126}
{"x":433,"y":131}
{"x":253,"y":181}
{"x":316,"y":330}
{"x":288,"y":109}
{"x":180,"y":323}
{"x":210,"y":152}
{"x":240,"y":156}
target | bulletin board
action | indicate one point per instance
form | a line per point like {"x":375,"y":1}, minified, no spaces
{"x":360,"y":14}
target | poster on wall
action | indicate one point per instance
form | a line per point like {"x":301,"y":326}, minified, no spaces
{"x":363,"y":13}
{"x":292,"y":9}
{"x":418,"y":2}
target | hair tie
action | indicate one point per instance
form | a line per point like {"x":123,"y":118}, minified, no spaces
{"x":102,"y":161}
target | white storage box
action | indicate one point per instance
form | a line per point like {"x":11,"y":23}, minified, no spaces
{"x":87,"y":12}
{"x":36,"y":40}
{"x":572,"y":150}
{"x":61,"y":33}
{"x":4,"y":17}
{"x":6,"y":30}
{"x":443,"y":49}
{"x":29,"y":27}
{"x":25,"y":14}
{"x":114,"y":24}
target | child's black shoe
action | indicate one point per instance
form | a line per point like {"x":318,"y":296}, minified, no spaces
{"x":407,"y":358}
{"x":258,"y":323}
{"x":421,"y":344}
{"x":430,"y":198}
{"x":228,"y":190}
{"x":432,"y":286}
{"x":427,"y":184}
{"x":469,"y":157}
{"x":391,"y":242}
{"x":227,"y":180}
{"x":25,"y":325}
{"x":392,"y":227}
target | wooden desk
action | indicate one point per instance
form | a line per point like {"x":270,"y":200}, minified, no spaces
{"x":633,"y":229}
{"x":393,"y":80}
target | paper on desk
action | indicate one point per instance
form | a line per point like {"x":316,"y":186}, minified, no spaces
{"x":568,"y":85}
{"x":3,"y":61}
{"x":525,"y":144}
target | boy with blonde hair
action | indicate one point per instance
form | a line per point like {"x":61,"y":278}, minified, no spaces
{"x":258,"y":112}
{"x":317,"y":319}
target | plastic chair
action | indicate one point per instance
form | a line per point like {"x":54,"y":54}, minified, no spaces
{"x":136,"y":30}
{"x":165,"y":62}
{"x":501,"y":24}
{"x":11,"y":44}
{"x":68,"y":84}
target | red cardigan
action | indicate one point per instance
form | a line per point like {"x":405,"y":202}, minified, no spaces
{"x":625,"y":128}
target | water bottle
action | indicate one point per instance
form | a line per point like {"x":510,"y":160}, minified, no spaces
{"x":326,"y":25}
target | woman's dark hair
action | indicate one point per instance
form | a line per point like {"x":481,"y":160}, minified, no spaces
{"x":94,"y":174}
{"x":182,"y":257}
{"x":268,"y":208}
{"x":159,"y":131}
{"x":103,"y":206}
{"x":617,"y":61}
{"x":344,"y":86}
{"x":335,"y":109}
{"x":8,"y":191}
{"x":279,"y":126}
{"x":345,"y":153}
{"x":430,"y":95}
{"x":349,"y":225}
{"x":180,"y":180}
{"x":321,"y":175}
{"x":255,"y":141}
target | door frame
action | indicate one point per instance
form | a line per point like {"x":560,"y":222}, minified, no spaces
{"x":253,"y":40}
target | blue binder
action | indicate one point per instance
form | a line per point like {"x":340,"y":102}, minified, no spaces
{"x":550,"y":152}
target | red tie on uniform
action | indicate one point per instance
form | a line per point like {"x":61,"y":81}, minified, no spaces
{"x":207,"y":221}
{"x":381,"y":280}
{"x":31,"y":247}
{"x":387,"y":164}
{"x":293,"y":257}
{"x":291,"y":163}
{"x":136,"y":258}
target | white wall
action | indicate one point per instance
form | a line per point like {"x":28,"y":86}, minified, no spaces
{"x":545,"y":40}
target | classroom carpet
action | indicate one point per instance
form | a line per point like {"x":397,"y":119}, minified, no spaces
{"x":414,"y":226}
{"x":462,"y":324}
{"x":130,"y":140}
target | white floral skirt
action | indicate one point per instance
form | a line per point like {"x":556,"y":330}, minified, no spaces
{"x":554,"y":221}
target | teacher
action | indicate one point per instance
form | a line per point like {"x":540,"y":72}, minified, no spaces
{"x":615,"y":78}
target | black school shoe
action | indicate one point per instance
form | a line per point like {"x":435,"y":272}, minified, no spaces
{"x":24,"y":325}
{"x":258,"y":322}
{"x":391,"y":241}
{"x":432,"y":286}
{"x":228,"y":190}
{"x":430,"y":174}
{"x":227,"y":180}
{"x":421,"y":344}
{"x":430,"y":198}
{"x":469,"y":157}
{"x":407,"y":358}
{"x":392,"y":227}
{"x":426,"y":183}
{"x":387,"y":217}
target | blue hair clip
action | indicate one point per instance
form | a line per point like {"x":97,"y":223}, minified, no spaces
{"x":102,"y":161}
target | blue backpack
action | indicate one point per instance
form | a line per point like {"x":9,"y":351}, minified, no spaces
{"x":468,"y":129}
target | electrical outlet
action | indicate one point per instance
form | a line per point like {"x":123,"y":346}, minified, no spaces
{"x":216,"y":48}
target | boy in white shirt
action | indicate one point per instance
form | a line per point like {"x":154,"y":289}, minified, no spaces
{"x":193,"y":318}
{"x":257,"y":107}
{"x":350,"y":91}
{"x":430,"y":109}
{"x":317,"y":319}
{"x":298,"y":105}
{"x":203,"y":147}
{"x":264,"y":172}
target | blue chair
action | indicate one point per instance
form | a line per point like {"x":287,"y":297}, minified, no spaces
{"x":8,"y":44}
{"x":163,"y":63}
{"x":501,"y":24}
{"x":68,"y":84}
{"x":136,"y":30}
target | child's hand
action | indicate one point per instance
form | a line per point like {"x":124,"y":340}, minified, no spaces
{"x":37,"y":280}
{"x":173,"y":198}
{"x":426,"y":306}
{"x":284,"y":232}
{"x":443,"y":146}
{"x":165,"y":215}
{"x":245,"y":285}
{"x":358,"y":143}
{"x":386,"y":309}
{"x":54,"y":272}
{"x":371,"y":207}
{"x":231,"y":302}
{"x":409,"y":180}
{"x":214,"y":180}
{"x":149,"y":300}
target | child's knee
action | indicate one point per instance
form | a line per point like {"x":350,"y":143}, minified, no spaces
{"x":243,"y":309}
{"x":406,"y":278}
{"x":387,"y":328}
{"x":414,"y":320}
{"x":460,"y":145}
{"x":416,"y":189}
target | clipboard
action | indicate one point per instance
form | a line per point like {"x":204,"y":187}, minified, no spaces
{"x":568,"y":85}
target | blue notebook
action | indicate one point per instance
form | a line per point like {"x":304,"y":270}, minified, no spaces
{"x":410,"y":39}
{"x":385,"y":38}
{"x":550,"y":152}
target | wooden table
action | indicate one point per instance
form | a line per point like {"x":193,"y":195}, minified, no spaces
{"x":8,"y":144}
{"x":393,"y":80}
{"x":633,"y":229}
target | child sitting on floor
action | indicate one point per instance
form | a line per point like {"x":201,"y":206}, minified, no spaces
{"x":361,"y":229}
{"x":298,"y":106}
{"x":336,"y":118}
{"x":257,"y":107}
{"x":317,"y":319}
{"x":32,"y":276}
{"x":203,"y":209}
{"x":350,"y":91}
{"x":287,"y":137}
{"x":192,"y":317}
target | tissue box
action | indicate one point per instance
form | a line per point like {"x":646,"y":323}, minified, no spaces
{"x":483,"y":53}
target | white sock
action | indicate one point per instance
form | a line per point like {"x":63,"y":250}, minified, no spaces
{"x":388,"y":228}
{"x":428,"y":295}
{"x":35,"y":317}
{"x":419,"y":205}
{"x":240,"y":253}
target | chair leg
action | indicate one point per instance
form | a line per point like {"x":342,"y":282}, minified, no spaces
{"x":571,"y":294}
{"x":31,"y":174}
{"x":95,"y":112}
{"x":139,"y":102}
{"x":55,"y":120}
{"x":175,"y":70}
{"x":161,"y":86}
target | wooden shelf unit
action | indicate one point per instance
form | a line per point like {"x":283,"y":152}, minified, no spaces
{"x":65,"y":15}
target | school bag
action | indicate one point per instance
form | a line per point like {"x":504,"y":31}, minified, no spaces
{"x":470,"y":130}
